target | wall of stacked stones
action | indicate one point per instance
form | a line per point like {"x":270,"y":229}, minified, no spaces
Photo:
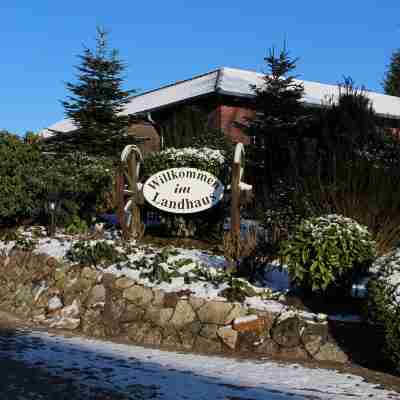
{"x":82,"y":299}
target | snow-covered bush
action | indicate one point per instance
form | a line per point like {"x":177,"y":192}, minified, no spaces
{"x":204,"y":158}
{"x":387,"y":269}
{"x":328,"y":251}
{"x":382,"y":307}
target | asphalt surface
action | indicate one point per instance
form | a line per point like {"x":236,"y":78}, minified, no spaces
{"x":35,"y":365}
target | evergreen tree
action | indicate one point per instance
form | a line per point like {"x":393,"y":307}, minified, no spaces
{"x":279,"y":117}
{"x":347,"y":125}
{"x":391,"y":82}
{"x":96,"y":103}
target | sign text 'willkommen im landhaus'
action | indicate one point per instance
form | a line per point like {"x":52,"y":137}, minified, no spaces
{"x":183,"y":190}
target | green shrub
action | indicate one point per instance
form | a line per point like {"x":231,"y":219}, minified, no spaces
{"x":10,"y":235}
{"x":79,"y":182}
{"x":25,"y":244}
{"x":76,"y":226}
{"x":280,"y":216}
{"x":382,"y":306}
{"x":238,"y":290}
{"x":328,"y":251}
{"x":18,"y":191}
{"x":28,"y":178}
{"x":98,"y":254}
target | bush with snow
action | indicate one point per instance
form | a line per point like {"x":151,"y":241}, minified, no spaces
{"x":387,"y":270}
{"x":382,"y":307}
{"x":328,"y":251}
{"x":204,"y":158}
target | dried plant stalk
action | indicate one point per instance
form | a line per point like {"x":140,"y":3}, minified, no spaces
{"x":237,"y":248}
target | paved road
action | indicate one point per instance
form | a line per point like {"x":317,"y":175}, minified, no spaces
{"x":35,"y":365}
{"x":20,"y":380}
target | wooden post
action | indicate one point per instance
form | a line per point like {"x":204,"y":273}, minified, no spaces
{"x":237,"y":171}
{"x":131,"y":156}
{"x":235,"y":202}
{"x":119,"y":197}
{"x":135,"y":227}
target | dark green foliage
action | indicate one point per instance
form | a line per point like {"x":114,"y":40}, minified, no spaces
{"x":281,"y":216}
{"x":79,"y":182}
{"x":328,"y":251}
{"x":159,"y":270}
{"x":349,"y":125}
{"x":389,"y":317}
{"x":157,"y":274}
{"x":378,"y":302}
{"x":19,"y":192}
{"x":25,"y":244}
{"x":28,"y":178}
{"x":391,"y":82}
{"x":353,"y":170}
{"x":361,"y":189}
{"x":9,"y":235}
{"x":238,"y":290}
{"x":98,"y":254}
{"x":76,"y":226}
{"x":280,"y":119}
{"x":203,"y":273}
{"x":95,"y":104}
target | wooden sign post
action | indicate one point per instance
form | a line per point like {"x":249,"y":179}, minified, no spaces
{"x":132,"y":227}
{"x":120,"y":200}
{"x":237,"y":172}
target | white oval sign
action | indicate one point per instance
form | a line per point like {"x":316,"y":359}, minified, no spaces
{"x":183,"y":190}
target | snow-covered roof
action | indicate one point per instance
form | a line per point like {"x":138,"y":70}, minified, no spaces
{"x":235,"y":82}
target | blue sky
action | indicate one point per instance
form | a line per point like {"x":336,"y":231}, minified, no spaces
{"x":165,"y":41}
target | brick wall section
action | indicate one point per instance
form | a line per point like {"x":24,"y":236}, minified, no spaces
{"x":147,"y":131}
{"x":229,"y":116}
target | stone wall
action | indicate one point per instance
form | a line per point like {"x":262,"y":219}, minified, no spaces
{"x":38,"y":288}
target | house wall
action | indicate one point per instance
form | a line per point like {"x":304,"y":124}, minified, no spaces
{"x":180,"y":123}
{"x":230,"y":117}
{"x":150,"y":135}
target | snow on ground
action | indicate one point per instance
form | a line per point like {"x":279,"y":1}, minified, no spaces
{"x":270,"y":287}
{"x":149,"y":373}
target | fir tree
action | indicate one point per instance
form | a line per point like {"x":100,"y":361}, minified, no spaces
{"x":391,"y":81}
{"x":278,"y":118}
{"x":96,"y":103}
